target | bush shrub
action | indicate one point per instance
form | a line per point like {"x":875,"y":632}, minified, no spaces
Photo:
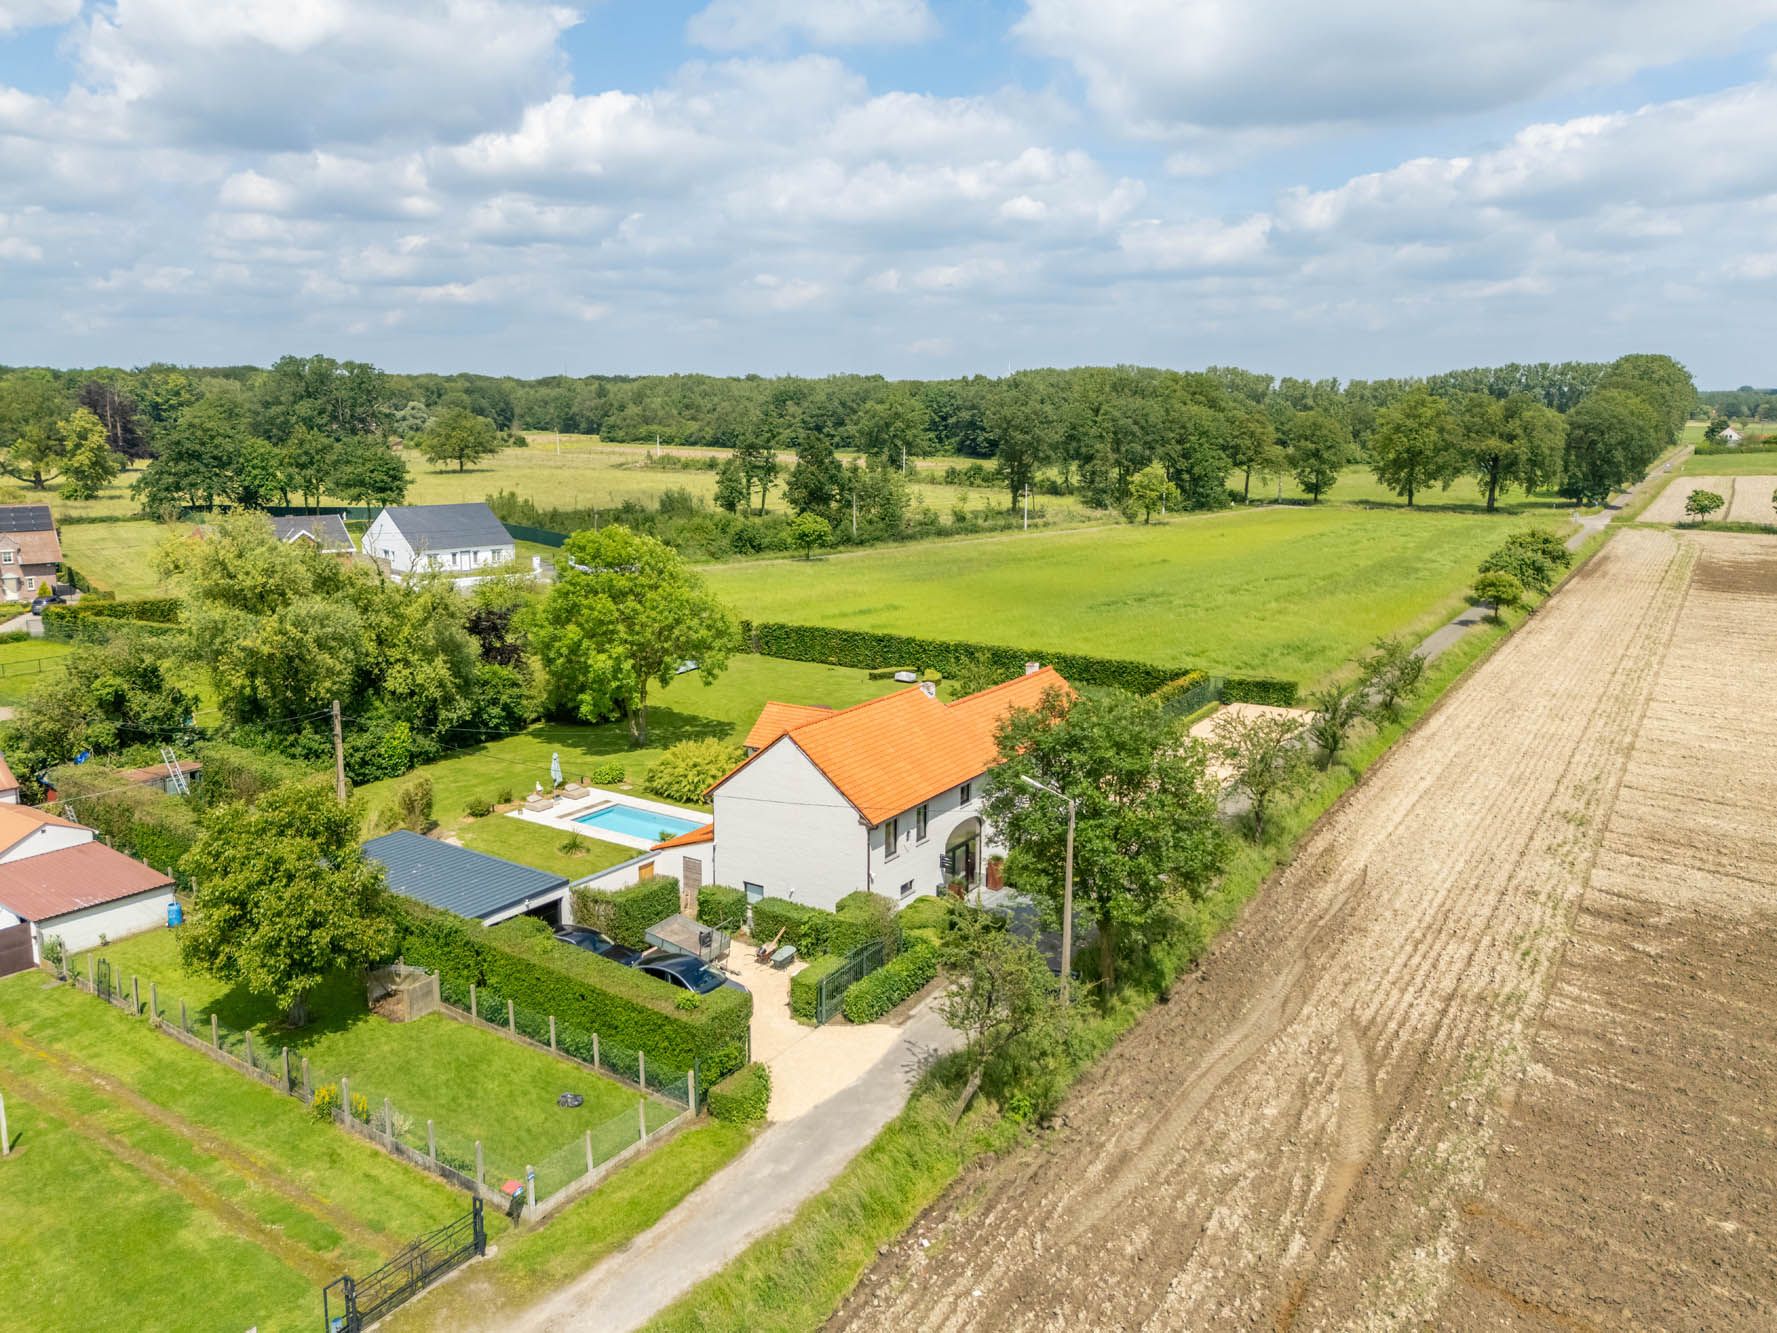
{"x":722,"y":907}
{"x":478,"y":807}
{"x":869,"y":998}
{"x":928,"y":918}
{"x":743,"y":1097}
{"x":607,"y":772}
{"x":325,"y":1101}
{"x":805,"y":986}
{"x":862,"y":918}
{"x":409,"y":808}
{"x":690,"y":768}
{"x":626,"y":914}
{"x":154,"y":610}
{"x":521,"y":961}
{"x":1258,"y":690}
{"x":240,"y":773}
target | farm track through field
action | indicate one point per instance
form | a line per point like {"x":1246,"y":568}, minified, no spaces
{"x":252,"y":1169}
{"x":1302,"y":1136}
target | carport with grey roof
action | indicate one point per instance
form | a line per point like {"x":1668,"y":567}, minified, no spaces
{"x":471,"y":884}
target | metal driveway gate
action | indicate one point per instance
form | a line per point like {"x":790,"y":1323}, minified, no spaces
{"x":859,"y":963}
{"x":347,"y":1306}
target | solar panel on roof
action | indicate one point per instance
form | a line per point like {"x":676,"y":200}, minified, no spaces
{"x":25,"y":518}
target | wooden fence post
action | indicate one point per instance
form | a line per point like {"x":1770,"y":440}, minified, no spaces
{"x":511,"y":1021}
{"x":473,"y":1011}
{"x":287,"y":1084}
{"x":595,"y":1050}
{"x":477,"y":1163}
{"x":552,"y":1032}
{"x":92,"y":975}
{"x":215,"y":1033}
{"x":589,"y":1152}
{"x":642,"y":1117}
{"x":432,"y":1141}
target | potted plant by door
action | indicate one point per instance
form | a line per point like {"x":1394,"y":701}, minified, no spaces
{"x":996,"y":866}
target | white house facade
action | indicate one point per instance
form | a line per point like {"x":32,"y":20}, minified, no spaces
{"x":884,"y":796}
{"x":453,"y":538}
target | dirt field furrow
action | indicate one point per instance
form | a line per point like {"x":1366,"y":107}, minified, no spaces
{"x":1754,"y":501}
{"x":1668,"y":506}
{"x":1305,"y":1135}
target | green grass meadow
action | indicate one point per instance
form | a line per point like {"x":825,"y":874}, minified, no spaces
{"x":1758,"y":463}
{"x":118,"y":557}
{"x":1295,"y":591}
{"x":25,"y":665}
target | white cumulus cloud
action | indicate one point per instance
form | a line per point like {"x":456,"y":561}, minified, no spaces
{"x":731,"y":25}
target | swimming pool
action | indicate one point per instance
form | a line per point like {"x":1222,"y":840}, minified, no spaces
{"x":634,"y":822}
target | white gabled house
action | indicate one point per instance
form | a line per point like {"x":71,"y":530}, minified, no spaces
{"x":449,"y":538}
{"x":884,"y":796}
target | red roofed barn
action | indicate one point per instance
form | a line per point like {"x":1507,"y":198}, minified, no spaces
{"x":57,"y":879}
{"x":884,"y":796}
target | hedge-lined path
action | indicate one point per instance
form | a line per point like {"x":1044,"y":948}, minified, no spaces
{"x":788,"y":1164}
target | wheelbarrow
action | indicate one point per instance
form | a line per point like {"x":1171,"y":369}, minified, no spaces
{"x":765,"y":951}
{"x":784,"y":956}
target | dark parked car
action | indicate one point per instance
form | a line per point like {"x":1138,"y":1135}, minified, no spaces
{"x":38,"y":603}
{"x":593,"y":941}
{"x":689,"y":973}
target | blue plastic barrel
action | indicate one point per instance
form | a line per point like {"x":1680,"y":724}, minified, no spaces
{"x":175,"y":913}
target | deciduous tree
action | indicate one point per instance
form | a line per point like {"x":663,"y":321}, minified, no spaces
{"x":90,"y":465}
{"x":1413,"y":445}
{"x":1264,"y":758}
{"x":1319,"y":447}
{"x":1701,"y":504}
{"x":1149,"y":491}
{"x":457,"y":435}
{"x":1499,"y":590}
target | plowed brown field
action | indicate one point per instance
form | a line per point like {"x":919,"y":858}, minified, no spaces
{"x":1495,"y":1051}
{"x":1668,"y":505}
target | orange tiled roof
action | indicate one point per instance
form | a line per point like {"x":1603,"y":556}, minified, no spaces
{"x":887,"y":755}
{"x":7,"y":781}
{"x":18,"y":822}
{"x":778,"y":718}
{"x":707,"y":833}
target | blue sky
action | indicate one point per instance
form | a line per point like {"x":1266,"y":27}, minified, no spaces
{"x":910,"y":187}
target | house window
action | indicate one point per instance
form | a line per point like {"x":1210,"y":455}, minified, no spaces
{"x":907,"y":889}
{"x":968,"y":793}
{"x":891,"y":838}
{"x":5,"y":557}
{"x":754,"y":891}
{"x":919,"y":822}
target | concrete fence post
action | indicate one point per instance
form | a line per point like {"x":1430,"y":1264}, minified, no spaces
{"x":431,"y":1141}
{"x":552,"y":1032}
{"x":215,"y":1032}
{"x":184,"y":1018}
{"x":249,"y":1036}
{"x":345,"y":1097}
{"x":388,"y":1118}
{"x":307,"y":1092}
{"x":691,"y":1089}
{"x":92,"y":975}
{"x":511,"y":1019}
{"x":153,"y":999}
{"x":478,"y":1169}
{"x":595,"y":1050}
{"x":589,"y":1152}
{"x":6,"y":1135}
{"x":473,"y":1011}
{"x":530,"y":1192}
{"x":642,"y":1117}
{"x":135,"y":994}
{"x":287,"y":1084}
{"x":642,"y":1070}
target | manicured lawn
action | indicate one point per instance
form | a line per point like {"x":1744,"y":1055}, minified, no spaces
{"x":546,"y":849}
{"x":150,"y":1187}
{"x":685,"y":710}
{"x":1759,"y":464}
{"x":471,"y":1083}
{"x":118,"y":557}
{"x":1294,"y":592}
{"x":24,"y":665}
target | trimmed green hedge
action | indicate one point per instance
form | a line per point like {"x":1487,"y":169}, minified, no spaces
{"x":626,"y":914}
{"x":722,"y":907}
{"x":157,"y":610}
{"x":853,"y":926}
{"x":805,"y":986}
{"x":521,"y":961}
{"x":743,"y":1097}
{"x":879,"y":652}
{"x":868,"y":999}
{"x":1258,"y":690}
{"x":927,"y":918}
{"x":808,"y":928}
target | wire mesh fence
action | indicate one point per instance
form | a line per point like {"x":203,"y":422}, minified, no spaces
{"x":497,"y":1167}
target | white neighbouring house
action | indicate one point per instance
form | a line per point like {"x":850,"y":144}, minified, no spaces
{"x":57,"y":878}
{"x":449,"y":538}
{"x":884,"y":796}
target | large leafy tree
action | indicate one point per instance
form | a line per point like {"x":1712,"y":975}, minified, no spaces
{"x":125,"y":431}
{"x":334,"y":398}
{"x":893,"y":428}
{"x":1147,"y":831}
{"x":284,"y":897}
{"x":816,"y":480}
{"x":32,"y":449}
{"x":367,"y":472}
{"x":1021,"y":435}
{"x":90,"y":465}
{"x":310,"y":459}
{"x":458,"y":436}
{"x":626,"y":613}
{"x":1505,"y":442}
{"x":1414,"y":444}
{"x":1612,"y":437}
{"x":1319,"y":448}
{"x":1252,"y":447}
{"x":196,"y":455}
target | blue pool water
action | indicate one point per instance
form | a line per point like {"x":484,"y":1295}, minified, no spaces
{"x":626,"y":819}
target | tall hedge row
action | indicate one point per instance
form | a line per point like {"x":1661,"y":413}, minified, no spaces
{"x":808,"y":928}
{"x":625,"y":914}
{"x":1258,"y":690}
{"x":805,"y":986}
{"x":521,"y":961}
{"x":157,"y":610}
{"x":722,"y":907}
{"x":873,"y":651}
{"x":869,"y":998}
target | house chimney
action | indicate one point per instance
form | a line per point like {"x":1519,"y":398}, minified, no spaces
{"x":1031,"y":668}
{"x":930,"y":688}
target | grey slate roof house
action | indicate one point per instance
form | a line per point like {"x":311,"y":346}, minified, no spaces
{"x":455,"y":537}
{"x":327,"y":531}
{"x":471,"y":884}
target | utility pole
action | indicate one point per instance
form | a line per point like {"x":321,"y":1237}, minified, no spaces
{"x":339,"y":756}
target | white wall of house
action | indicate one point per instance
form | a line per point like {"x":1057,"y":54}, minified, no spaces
{"x":915,"y":867}
{"x":47,"y":838}
{"x":80,"y":930}
{"x":781,"y":825}
{"x":674,"y":861}
{"x":383,"y":541}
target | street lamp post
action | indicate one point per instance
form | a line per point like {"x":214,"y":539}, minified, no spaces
{"x":1067,"y":886}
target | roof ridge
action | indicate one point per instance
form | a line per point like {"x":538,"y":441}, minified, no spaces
{"x":853,"y":708}
{"x":1021,"y":676}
